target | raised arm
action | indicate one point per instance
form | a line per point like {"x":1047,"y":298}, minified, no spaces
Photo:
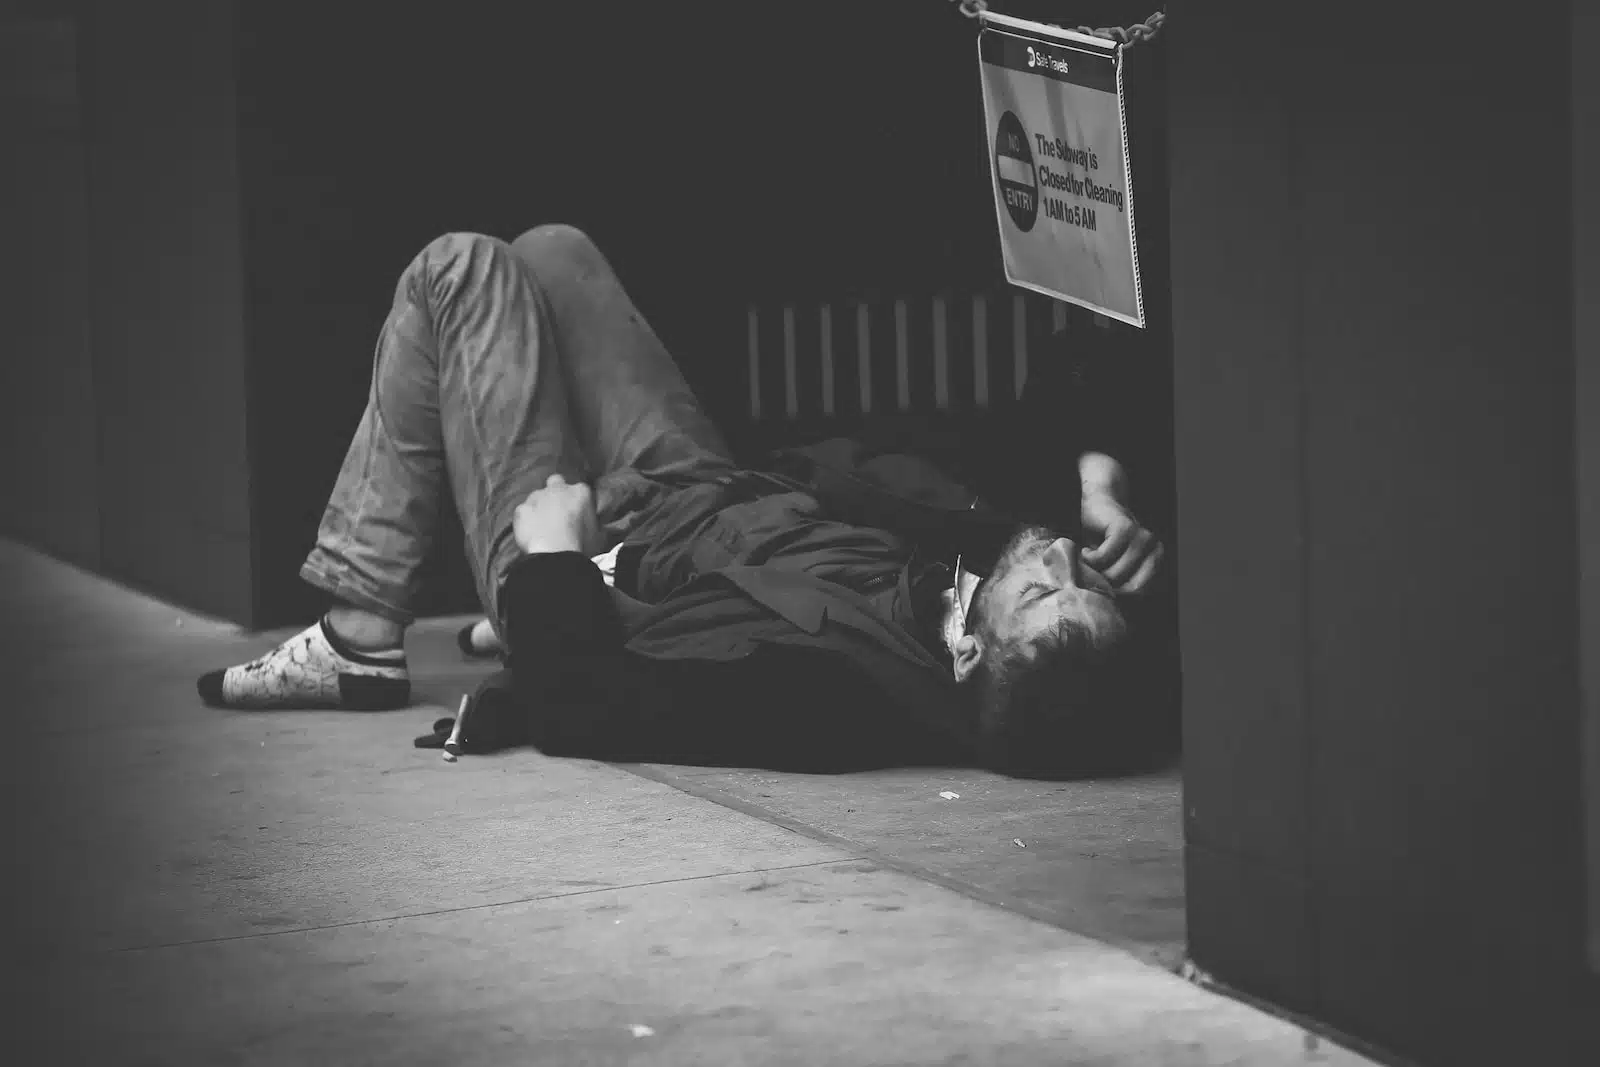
{"x":1088,"y":418}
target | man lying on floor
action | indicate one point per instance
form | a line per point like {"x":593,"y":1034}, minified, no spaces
{"x":846,"y":600}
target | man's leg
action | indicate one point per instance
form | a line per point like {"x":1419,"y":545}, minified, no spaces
{"x":630,"y":405}
{"x":466,"y":389}
{"x":631,"y":408}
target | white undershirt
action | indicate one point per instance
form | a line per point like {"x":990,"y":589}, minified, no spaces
{"x":607,"y":562}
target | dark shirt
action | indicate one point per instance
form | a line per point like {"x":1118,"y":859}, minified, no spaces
{"x":575,"y":688}
{"x":750,"y":623}
{"x":754,"y":611}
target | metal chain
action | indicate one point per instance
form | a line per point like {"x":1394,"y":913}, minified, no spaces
{"x":1123,"y":35}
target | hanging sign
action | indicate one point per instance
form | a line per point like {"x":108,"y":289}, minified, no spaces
{"x":1053,"y":108}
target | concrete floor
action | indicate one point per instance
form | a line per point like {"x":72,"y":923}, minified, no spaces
{"x":202,"y":887}
{"x":1102,"y":858}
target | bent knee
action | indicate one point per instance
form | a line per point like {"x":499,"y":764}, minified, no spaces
{"x":557,"y":242}
{"x":453,"y":260}
{"x":462,"y":245}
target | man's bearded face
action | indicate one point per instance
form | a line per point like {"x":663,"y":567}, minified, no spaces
{"x":1038,"y":584}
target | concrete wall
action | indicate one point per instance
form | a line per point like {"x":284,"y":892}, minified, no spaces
{"x":50,"y":475}
{"x":1586,"y":322}
{"x":124,"y":372}
{"x":164,"y":284}
{"x":1374,"y":361}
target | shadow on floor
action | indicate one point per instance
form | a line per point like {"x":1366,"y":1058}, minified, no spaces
{"x":1097,"y":854}
{"x":1101,"y":857}
{"x":206,"y":887}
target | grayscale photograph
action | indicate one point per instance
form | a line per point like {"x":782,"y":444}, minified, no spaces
{"x":905,"y":532}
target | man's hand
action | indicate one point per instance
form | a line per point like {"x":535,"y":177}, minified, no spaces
{"x":1128,"y":554}
{"x":558,"y":518}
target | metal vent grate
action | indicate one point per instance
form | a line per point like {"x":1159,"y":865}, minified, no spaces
{"x":936,"y":353}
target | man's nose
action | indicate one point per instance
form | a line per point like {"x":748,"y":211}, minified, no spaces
{"x":1061,"y":561}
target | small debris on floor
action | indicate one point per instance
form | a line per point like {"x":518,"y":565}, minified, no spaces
{"x":950,"y":796}
{"x":1190,"y":972}
{"x":640,"y":1030}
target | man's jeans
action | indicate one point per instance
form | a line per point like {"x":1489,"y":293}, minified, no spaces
{"x":498,"y":366}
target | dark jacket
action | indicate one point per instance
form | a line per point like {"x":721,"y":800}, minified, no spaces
{"x":767,"y":607}
{"x":771,"y":610}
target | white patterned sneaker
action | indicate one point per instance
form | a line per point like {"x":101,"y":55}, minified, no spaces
{"x":313,"y":669}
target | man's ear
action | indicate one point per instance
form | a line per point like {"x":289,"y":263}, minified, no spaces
{"x":967,"y":654}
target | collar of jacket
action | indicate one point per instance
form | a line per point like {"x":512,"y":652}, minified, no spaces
{"x":923,"y":683}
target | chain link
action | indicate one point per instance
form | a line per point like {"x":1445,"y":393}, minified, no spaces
{"x":1123,"y":35}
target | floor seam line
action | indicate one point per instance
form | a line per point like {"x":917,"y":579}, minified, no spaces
{"x":464,"y":908}
{"x":951,"y":883}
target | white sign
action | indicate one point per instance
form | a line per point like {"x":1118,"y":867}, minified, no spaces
{"x":1052,"y":102}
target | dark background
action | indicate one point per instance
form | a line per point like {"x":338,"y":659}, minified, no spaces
{"x":1382,"y":232}
{"x":227,"y":193}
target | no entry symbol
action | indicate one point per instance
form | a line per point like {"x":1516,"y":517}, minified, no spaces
{"x":1015,"y":176}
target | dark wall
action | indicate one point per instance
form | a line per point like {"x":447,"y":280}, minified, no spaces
{"x":166,"y":301}
{"x":1374,"y":363}
{"x":50,"y":474}
{"x":1586,"y":321}
{"x":124,"y":391}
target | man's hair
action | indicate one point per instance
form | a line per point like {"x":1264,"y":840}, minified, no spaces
{"x":1060,"y":700}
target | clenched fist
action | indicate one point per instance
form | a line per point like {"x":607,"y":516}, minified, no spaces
{"x":558,"y":518}
{"x":1127,"y":553}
